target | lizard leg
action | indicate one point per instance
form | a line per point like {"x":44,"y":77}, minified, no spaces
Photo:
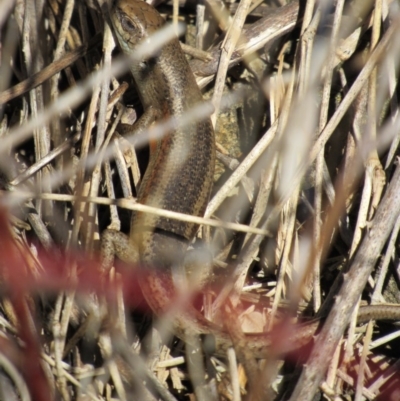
{"x":114,"y":243}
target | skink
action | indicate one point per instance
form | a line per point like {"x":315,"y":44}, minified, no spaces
{"x":178,"y":178}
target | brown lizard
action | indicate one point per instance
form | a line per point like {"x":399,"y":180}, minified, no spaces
{"x":178,"y":178}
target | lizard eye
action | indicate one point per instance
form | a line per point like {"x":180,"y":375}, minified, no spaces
{"x":127,"y":25}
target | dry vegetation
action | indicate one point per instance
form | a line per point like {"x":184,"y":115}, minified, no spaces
{"x":307,"y":125}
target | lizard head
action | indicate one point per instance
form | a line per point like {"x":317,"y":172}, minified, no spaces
{"x":133,"y":22}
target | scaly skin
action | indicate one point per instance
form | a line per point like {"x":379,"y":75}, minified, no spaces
{"x":178,"y":178}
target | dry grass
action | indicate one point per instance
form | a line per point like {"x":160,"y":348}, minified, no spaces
{"x":305,"y":207}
